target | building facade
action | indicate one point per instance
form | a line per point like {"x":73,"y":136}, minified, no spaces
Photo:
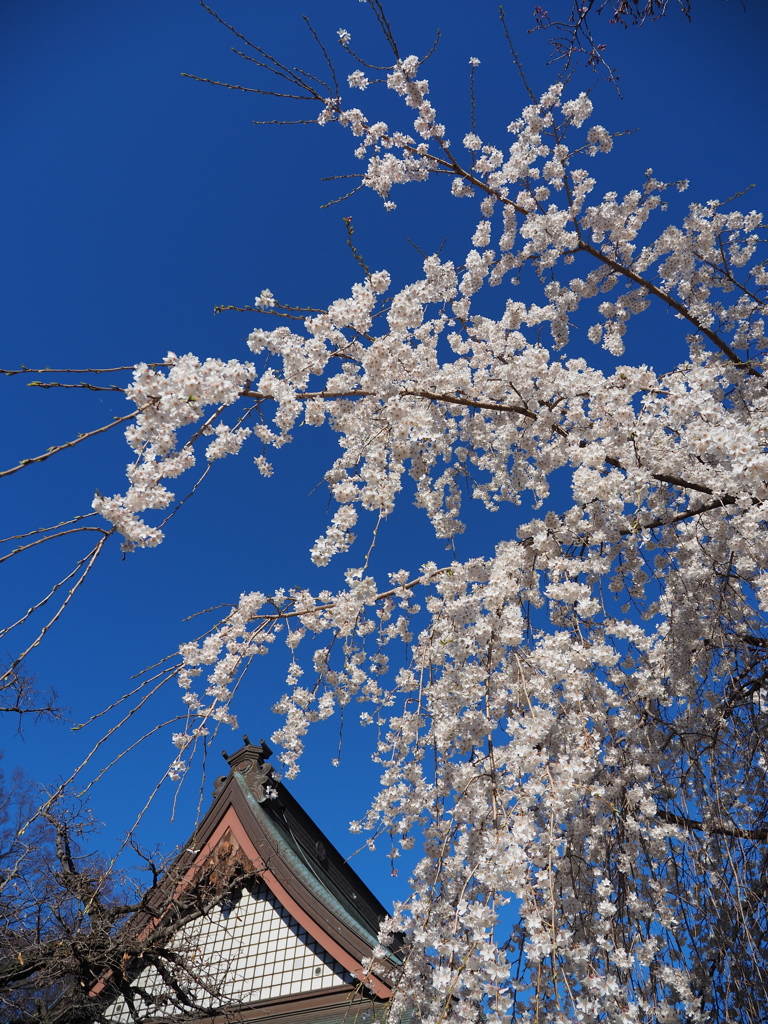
{"x":261,"y":917}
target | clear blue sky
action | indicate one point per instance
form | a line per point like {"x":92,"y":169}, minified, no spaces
{"x":134,"y":200}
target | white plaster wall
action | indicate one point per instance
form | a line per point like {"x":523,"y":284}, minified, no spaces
{"x":236,"y":954}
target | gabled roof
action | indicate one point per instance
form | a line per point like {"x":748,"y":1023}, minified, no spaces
{"x":289,"y":926}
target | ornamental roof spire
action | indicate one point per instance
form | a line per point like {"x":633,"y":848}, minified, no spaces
{"x":250,"y":761}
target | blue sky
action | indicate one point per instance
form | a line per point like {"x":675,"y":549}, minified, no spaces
{"x":134,"y":200}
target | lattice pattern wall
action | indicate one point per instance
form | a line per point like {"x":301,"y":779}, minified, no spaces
{"x":247,"y":948}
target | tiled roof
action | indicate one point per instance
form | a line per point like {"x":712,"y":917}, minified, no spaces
{"x":285,"y":926}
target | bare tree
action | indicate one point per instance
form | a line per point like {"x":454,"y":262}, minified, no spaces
{"x":20,"y":695}
{"x":75,"y":933}
{"x":571,"y":26}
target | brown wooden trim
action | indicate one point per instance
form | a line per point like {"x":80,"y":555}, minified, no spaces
{"x":312,"y":1007}
{"x":344,"y":999}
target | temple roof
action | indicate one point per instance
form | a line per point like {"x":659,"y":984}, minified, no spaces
{"x":286,"y":926}
{"x":293,"y":848}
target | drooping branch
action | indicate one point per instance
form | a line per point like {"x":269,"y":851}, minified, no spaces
{"x":715,"y":828}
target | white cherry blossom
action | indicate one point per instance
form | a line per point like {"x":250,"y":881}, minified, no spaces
{"x":573,"y":726}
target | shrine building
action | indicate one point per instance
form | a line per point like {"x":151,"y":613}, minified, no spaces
{"x":263,"y":917}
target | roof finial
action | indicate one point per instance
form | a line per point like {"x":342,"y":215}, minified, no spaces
{"x":250,"y":762}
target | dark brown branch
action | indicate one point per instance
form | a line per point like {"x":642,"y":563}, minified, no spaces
{"x":715,"y":828}
{"x":678,"y":307}
{"x":520,"y":410}
{"x":105,"y":369}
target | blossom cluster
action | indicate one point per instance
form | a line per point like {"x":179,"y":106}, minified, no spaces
{"x":166,"y":403}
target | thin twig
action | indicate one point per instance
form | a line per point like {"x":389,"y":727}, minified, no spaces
{"x":69,"y":444}
{"x":44,"y":600}
{"x":90,"y":559}
{"x":51,"y":536}
{"x":48,"y":529}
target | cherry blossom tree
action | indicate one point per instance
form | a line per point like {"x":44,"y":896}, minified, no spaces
{"x":571,"y":726}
